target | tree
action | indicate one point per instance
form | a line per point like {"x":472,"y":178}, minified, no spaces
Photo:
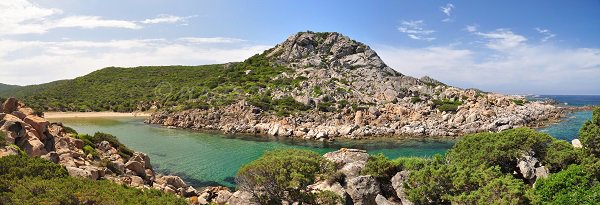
{"x":589,"y":134}
{"x":501,"y":149}
{"x":282,"y":175}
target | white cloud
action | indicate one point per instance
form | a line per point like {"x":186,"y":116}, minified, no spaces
{"x":471,"y":28}
{"x":24,"y":17}
{"x":166,"y":18}
{"x":502,"y":39}
{"x":415,"y":29}
{"x":539,"y":69}
{"x":91,"y":22}
{"x":547,"y":34}
{"x":45,"y":61}
{"x":447,"y":9}
{"x":212,"y":40}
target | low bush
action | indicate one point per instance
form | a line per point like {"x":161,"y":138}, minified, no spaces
{"x":573,"y":185}
{"x":283,"y":175}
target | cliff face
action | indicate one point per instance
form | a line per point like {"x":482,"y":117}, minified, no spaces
{"x":350,"y":92}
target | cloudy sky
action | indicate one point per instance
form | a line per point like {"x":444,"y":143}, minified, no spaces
{"x":521,"y":47}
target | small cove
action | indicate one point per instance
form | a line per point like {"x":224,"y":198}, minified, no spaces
{"x":207,"y":159}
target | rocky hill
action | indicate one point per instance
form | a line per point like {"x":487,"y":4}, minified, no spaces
{"x":341,"y":88}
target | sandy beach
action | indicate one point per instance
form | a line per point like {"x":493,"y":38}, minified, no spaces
{"x":93,"y":114}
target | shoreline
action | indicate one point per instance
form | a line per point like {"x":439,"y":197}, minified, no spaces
{"x":55,"y":115}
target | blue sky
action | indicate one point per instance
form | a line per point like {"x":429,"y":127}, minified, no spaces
{"x":521,"y":47}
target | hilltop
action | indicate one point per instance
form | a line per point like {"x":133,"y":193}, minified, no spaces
{"x":313,"y":85}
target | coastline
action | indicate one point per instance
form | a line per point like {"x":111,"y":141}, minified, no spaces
{"x":54,"y":115}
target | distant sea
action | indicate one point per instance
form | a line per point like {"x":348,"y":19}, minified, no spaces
{"x":568,"y":129}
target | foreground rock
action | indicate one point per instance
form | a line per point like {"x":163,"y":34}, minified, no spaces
{"x":352,"y":93}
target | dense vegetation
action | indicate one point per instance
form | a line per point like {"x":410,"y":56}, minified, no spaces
{"x":169,"y":87}
{"x":283,"y":175}
{"x":479,"y":169}
{"x":26,"y":180}
{"x":4,"y":87}
{"x":92,"y":140}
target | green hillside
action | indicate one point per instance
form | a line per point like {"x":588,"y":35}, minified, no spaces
{"x":5,"y":87}
{"x":139,"y":88}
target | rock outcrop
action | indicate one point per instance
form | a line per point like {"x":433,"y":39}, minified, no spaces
{"x":37,"y":137}
{"x":352,"y":93}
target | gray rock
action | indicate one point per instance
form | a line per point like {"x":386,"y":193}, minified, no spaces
{"x":576,"y":143}
{"x":381,"y":200}
{"x":398,"y":185}
{"x":77,"y":172}
{"x":241,"y":198}
{"x":363,"y":190}
{"x":222,"y":197}
{"x":350,"y":161}
{"x":527,"y":165}
{"x":136,"y":167}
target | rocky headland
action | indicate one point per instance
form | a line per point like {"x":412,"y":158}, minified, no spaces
{"x":351,"y":93}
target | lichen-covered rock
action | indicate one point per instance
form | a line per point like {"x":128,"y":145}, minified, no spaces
{"x":398,"y":185}
{"x":241,"y":198}
{"x":350,"y":161}
{"x":363,"y":190}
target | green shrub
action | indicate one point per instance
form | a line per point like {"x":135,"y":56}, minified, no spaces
{"x":98,"y":137}
{"x":518,"y":102}
{"x":2,"y":139}
{"x":501,"y":149}
{"x":589,"y":134}
{"x":316,"y":92}
{"x":282,"y":175}
{"x":415,"y":100}
{"x":70,"y":190}
{"x":328,"y":197}
{"x":87,"y":149}
{"x":380,"y":167}
{"x":20,"y":166}
{"x":448,"y":108}
{"x":559,"y":155}
{"x":411,"y":163}
{"x":70,"y":130}
{"x":503,"y":190}
{"x":573,"y":185}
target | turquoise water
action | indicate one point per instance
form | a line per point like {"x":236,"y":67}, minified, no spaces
{"x":206,"y":159}
{"x":568,"y":129}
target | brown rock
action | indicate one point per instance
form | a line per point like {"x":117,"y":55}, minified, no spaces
{"x":38,"y":123}
{"x":34,"y":147}
{"x":10,"y":105}
{"x":19,"y":114}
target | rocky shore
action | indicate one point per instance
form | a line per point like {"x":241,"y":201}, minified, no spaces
{"x":491,"y":113}
{"x":351,"y":93}
{"x":37,"y":137}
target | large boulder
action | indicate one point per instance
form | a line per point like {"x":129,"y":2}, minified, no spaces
{"x":174,"y":181}
{"x":79,"y":172}
{"x":136,"y":167}
{"x":10,"y":105}
{"x":38,"y":123}
{"x":363,"y":190}
{"x":381,"y":200}
{"x":527,"y":165}
{"x":349,"y":161}
{"x":398,"y":185}
{"x":222,"y":197}
{"x":241,"y":198}
{"x":141,"y":158}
